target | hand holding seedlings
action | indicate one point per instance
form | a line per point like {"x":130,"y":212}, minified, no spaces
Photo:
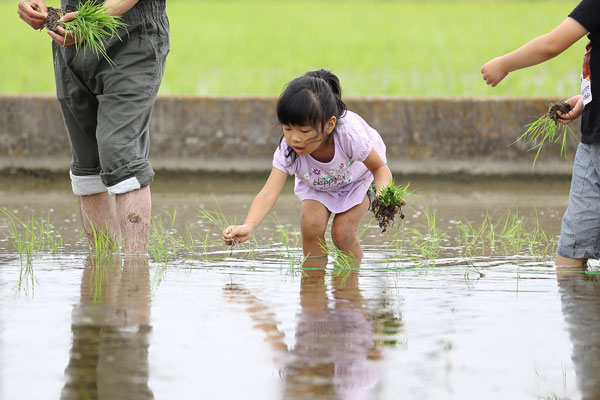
{"x":91,"y":26}
{"x":236,"y":234}
{"x":576,"y":103}
{"x":548,"y":127}
{"x":56,"y":18}
{"x":388,"y":202}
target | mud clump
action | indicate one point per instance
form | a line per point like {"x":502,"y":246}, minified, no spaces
{"x":388,"y":203}
{"x":385,"y":214}
{"x":54,"y":14}
{"x":555,"y":107}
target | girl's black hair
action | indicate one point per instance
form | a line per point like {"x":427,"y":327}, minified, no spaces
{"x":310,"y":100}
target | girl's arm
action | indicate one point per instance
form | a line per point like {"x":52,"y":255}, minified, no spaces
{"x":261,"y":205}
{"x":381,"y":173}
{"x":538,"y":50}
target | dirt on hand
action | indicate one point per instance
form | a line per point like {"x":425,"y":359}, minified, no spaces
{"x":54,"y":14}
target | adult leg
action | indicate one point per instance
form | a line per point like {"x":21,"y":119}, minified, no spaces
{"x":98,"y":214}
{"x":313,"y":223}
{"x":345,"y":229}
{"x":79,"y":107}
{"x":133,"y":211}
{"x":124,"y":113}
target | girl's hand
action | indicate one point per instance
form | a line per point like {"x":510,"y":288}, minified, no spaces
{"x":62,"y":37}
{"x":576,"y":103}
{"x":493,"y":72}
{"x":33,"y":12}
{"x":236,"y":233}
{"x":397,"y":209}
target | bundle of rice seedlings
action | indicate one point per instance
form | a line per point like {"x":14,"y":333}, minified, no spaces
{"x":548,"y":129}
{"x":91,"y":28}
{"x":388,"y":203}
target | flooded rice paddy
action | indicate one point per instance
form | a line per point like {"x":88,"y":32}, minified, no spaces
{"x":460,"y":301}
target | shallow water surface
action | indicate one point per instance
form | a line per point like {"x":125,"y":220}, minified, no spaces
{"x":426,"y":316}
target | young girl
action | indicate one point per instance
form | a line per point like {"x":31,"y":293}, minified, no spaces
{"x":335,"y":157}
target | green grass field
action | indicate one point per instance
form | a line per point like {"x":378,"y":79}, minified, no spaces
{"x":407,"y":48}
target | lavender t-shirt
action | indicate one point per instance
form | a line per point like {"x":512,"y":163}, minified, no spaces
{"x":341,"y":183}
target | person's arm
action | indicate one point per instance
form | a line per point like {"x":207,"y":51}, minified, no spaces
{"x":119,"y":7}
{"x":113,"y":7}
{"x":33,"y":12}
{"x":261,"y":205}
{"x":382,"y":175}
{"x":538,"y":50}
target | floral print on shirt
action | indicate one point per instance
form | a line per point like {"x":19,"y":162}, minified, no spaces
{"x":329,"y":180}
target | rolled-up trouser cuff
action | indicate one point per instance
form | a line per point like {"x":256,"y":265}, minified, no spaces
{"x":126,"y":186}
{"x":140,"y":170}
{"x":86,"y":185}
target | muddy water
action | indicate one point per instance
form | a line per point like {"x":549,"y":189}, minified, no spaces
{"x":249,"y":323}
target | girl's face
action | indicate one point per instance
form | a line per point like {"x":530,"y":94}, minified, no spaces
{"x":305,"y":139}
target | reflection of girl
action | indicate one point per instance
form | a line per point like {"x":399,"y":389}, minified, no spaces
{"x":334,"y":355}
{"x":333,"y":342}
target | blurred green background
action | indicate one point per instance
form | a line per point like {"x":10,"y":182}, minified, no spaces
{"x":254,"y":47}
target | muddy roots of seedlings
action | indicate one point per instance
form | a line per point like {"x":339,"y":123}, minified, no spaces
{"x":54,"y":14}
{"x":547,"y":129}
{"x":385,"y":214}
{"x":555,"y":107}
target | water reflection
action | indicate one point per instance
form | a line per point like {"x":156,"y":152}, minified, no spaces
{"x":111,"y":333}
{"x":338,"y":338}
{"x":580,"y":295}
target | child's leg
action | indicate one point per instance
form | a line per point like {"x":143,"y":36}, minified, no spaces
{"x":345,"y":229}
{"x":580,"y":229}
{"x":561,"y":261}
{"x":313,"y":223}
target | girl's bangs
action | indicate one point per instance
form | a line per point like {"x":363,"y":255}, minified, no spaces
{"x":299,"y":109}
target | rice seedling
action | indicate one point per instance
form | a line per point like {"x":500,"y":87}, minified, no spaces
{"x":104,"y":245}
{"x":429,"y":244}
{"x":91,"y":28}
{"x":165,"y":244}
{"x":187,"y":241}
{"x":251,"y":249}
{"x":289,"y":240}
{"x":101,"y":269}
{"x":28,"y":238}
{"x":33,"y":235}
{"x":540,"y":244}
{"x":388,"y":203}
{"x":158,"y":247}
{"x":343,"y":262}
{"x":471,"y":237}
{"x":23,"y":236}
{"x":217,"y":218}
{"x":172,"y":217}
{"x":513,"y":234}
{"x":548,"y":129}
